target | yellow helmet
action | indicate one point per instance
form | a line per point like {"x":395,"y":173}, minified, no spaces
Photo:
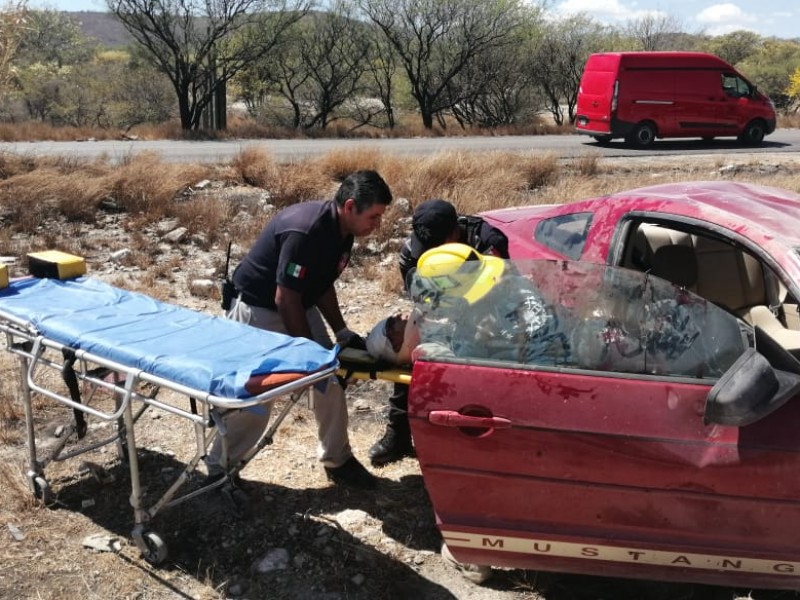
{"x":459,"y":270}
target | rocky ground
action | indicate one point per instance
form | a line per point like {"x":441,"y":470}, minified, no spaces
{"x":300,"y":538}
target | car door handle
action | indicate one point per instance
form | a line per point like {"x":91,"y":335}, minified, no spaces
{"x":451,"y":418}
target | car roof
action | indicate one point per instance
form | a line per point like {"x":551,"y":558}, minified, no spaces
{"x":760,"y":213}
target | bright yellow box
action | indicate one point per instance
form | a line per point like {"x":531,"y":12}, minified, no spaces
{"x":54,"y":264}
{"x":3,"y":276}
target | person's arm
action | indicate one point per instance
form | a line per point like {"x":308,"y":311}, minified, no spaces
{"x":290,"y":308}
{"x":406,"y":262}
{"x":328,"y":305}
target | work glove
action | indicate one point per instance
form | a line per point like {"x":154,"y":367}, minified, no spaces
{"x":350,"y":339}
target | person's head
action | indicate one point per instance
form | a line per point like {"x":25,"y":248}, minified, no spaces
{"x":435,"y":222}
{"x":361,"y":200}
{"x":458,"y":270}
{"x":393,"y":338}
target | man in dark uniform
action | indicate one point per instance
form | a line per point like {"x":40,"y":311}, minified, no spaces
{"x":434,"y":222}
{"x":286,"y":284}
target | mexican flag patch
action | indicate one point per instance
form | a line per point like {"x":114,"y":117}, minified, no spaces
{"x":295,"y":270}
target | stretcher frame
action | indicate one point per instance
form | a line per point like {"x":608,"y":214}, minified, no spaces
{"x":135,"y":392}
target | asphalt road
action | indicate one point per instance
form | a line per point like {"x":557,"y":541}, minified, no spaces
{"x":565,"y":146}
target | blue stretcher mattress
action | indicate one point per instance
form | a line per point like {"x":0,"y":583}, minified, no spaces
{"x":200,"y":351}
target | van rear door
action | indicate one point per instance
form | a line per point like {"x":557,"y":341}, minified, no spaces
{"x":596,"y":93}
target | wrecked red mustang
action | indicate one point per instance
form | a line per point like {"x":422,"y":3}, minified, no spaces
{"x":622,"y":398}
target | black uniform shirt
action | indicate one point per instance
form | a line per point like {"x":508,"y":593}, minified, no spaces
{"x":301,"y":248}
{"x":474,"y":231}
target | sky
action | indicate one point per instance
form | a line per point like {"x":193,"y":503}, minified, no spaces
{"x":779,"y":18}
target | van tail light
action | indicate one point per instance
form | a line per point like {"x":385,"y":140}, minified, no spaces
{"x":615,"y":96}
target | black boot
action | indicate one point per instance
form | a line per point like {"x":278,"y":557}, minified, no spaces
{"x":396,"y":441}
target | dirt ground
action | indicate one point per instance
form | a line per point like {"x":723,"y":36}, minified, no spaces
{"x":301,"y":538}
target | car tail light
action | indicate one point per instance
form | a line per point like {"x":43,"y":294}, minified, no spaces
{"x":615,"y":96}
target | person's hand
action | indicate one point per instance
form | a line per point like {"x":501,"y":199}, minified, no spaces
{"x":350,"y":339}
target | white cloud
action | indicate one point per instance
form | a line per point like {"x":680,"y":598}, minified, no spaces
{"x":723,"y":18}
{"x":604,"y":11}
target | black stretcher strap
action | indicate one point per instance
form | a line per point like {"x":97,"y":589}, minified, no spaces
{"x":71,"y":379}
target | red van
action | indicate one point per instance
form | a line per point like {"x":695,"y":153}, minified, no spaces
{"x":641,"y":96}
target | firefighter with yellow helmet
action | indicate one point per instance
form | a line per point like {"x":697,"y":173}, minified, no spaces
{"x":480,"y":307}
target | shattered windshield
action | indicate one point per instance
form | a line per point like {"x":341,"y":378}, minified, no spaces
{"x":573,"y":314}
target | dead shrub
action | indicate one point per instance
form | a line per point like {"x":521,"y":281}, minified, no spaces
{"x":541,"y":170}
{"x":586,"y":164}
{"x":338,"y":164}
{"x":292,"y":185}
{"x":255,"y":167}
{"x":15,"y":164}
{"x":202,"y":215}
{"x":16,"y":497}
{"x":147,"y":185}
{"x":11,"y":413}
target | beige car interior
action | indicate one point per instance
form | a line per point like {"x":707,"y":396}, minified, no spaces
{"x":720,"y":272}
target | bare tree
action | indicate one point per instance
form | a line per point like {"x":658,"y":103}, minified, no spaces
{"x":334,"y":54}
{"x":435,"y":41}
{"x":495,"y":89}
{"x":557,"y":59}
{"x":380,"y":73}
{"x":201,"y":44}
{"x":654,"y":31}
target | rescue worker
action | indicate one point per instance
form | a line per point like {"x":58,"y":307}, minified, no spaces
{"x":285,"y":284}
{"x":434,"y":222}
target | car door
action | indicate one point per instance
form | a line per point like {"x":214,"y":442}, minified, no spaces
{"x":602,"y":459}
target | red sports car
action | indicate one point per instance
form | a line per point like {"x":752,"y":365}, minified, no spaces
{"x":633,"y":409}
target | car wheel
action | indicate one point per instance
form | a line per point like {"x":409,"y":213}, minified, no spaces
{"x":753,"y":134}
{"x":642,"y":136}
{"x":602,"y":139}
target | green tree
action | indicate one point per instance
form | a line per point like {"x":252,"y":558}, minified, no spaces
{"x":794,"y":89}
{"x":201,"y":44}
{"x":53,"y":37}
{"x":12,"y":28}
{"x":771,"y":68}
{"x":733,"y":47}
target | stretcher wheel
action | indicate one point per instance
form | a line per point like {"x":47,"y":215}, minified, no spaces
{"x":42,"y":490}
{"x":156,"y":552}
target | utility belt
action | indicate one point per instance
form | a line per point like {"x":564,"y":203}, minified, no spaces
{"x":254,"y":300}
{"x":229,"y":293}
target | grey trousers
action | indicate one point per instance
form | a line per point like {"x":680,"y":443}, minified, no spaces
{"x":243,"y":428}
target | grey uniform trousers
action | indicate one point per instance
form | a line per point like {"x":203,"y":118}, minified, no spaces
{"x":243,"y":428}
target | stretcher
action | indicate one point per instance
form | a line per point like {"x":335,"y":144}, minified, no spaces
{"x":147,"y":355}
{"x":361,"y":365}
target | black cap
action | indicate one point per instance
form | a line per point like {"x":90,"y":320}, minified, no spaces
{"x":433,"y":221}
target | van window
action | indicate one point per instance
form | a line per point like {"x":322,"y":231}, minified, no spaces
{"x":735,"y":86}
{"x":566,"y":234}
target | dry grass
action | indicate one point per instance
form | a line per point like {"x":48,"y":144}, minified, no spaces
{"x":55,"y":199}
{"x":146,"y":184}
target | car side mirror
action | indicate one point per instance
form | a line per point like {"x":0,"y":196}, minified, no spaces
{"x":753,"y":388}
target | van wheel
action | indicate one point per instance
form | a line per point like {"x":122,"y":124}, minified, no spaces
{"x":754,"y":133}
{"x":642,"y":136}
{"x":602,"y":139}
